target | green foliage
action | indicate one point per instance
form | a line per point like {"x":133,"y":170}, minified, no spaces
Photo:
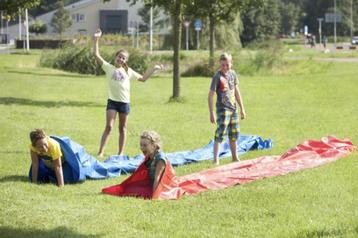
{"x":227,"y":35}
{"x":138,"y":61}
{"x":38,"y":27}
{"x":144,"y":13}
{"x":10,"y":8}
{"x":267,"y":58}
{"x":200,"y":69}
{"x":290,"y":13}
{"x":318,"y":8}
{"x":71,"y":58}
{"x":261,"y":23}
{"x":61,"y":19}
{"x":80,"y":59}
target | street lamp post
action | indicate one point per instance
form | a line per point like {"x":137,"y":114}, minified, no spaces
{"x":187,"y":24}
{"x":335,"y":23}
{"x":27,"y":31}
{"x":352,"y":23}
{"x":320,"y":29}
{"x":20,"y":25}
{"x":151,"y":28}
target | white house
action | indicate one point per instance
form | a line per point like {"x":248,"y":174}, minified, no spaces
{"x":115,"y":16}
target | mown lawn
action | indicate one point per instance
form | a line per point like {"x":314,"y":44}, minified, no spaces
{"x":308,"y":100}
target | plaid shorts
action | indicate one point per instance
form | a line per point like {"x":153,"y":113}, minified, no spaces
{"x":227,"y":123}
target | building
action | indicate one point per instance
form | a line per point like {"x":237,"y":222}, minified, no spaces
{"x":115,"y":16}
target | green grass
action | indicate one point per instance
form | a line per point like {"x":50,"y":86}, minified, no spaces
{"x":307,"y":101}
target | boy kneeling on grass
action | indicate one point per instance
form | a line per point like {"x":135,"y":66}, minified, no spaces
{"x":225,"y":84}
{"x":46,"y":158}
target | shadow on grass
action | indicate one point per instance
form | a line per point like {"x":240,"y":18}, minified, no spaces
{"x":327,"y":233}
{"x":10,"y":232}
{"x":30,"y":102}
{"x":14,"y":178}
{"x":50,"y":75}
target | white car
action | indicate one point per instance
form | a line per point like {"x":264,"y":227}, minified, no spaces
{"x":355,"y":40}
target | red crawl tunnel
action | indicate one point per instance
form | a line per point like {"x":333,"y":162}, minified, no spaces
{"x":309,"y":154}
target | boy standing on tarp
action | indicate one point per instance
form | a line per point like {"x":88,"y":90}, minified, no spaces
{"x":225,"y":84}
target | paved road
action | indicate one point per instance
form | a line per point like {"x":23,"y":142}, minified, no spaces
{"x":347,"y":59}
{"x":5,"y":50}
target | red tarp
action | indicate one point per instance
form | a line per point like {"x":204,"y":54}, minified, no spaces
{"x":309,"y":154}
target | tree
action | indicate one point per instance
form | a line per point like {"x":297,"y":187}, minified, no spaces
{"x":175,"y":9}
{"x":218,"y":11}
{"x":11,"y":8}
{"x":61,"y":19}
{"x":144,"y":12}
{"x":38,"y":27}
{"x":346,"y":7}
{"x":291,"y":14}
{"x":261,"y":23}
{"x":229,"y":37}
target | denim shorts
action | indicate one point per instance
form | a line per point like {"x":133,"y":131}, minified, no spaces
{"x":120,"y":107}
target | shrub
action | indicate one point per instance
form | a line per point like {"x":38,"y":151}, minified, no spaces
{"x":200,"y":69}
{"x":80,"y":59}
{"x":138,"y":61}
{"x":38,"y":27}
{"x":270,"y":56}
{"x":71,"y":58}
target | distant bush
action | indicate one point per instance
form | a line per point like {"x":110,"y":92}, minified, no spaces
{"x":80,"y":59}
{"x":268,"y":56}
{"x":138,"y":61}
{"x":199,"y":69}
{"x":38,"y":27}
{"x":71,"y":58}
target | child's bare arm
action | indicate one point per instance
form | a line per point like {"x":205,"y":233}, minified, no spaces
{"x":58,"y":172}
{"x":159,"y":169}
{"x":150,"y":72}
{"x":240,"y":102}
{"x":211,"y":106}
{"x":34,"y":167}
{"x":98,"y":57}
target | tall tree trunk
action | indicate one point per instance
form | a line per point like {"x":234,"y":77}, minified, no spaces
{"x":177,"y":21}
{"x":211,"y":40}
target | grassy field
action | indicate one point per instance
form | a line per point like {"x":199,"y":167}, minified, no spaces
{"x":308,"y":100}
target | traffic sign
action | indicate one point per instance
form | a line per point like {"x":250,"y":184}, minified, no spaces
{"x":329,"y":17}
{"x":198,"y":24}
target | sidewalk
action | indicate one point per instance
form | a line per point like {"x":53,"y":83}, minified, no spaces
{"x":6,"y":49}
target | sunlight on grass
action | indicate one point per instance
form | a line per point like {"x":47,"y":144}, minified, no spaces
{"x":307,"y":100}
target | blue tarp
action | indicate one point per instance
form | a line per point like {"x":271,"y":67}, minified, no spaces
{"x":80,"y":165}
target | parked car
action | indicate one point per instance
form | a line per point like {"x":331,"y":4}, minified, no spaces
{"x":355,"y":40}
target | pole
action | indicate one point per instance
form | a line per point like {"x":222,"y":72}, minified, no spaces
{"x":20,"y":25}
{"x":335,"y":24}
{"x":27,"y":30}
{"x":151,"y":28}
{"x":187,"y":38}
{"x":352,"y":23}
{"x":320,"y":29}
{"x":7,"y":31}
{"x":1,"y":29}
{"x":132,"y":32}
{"x":137,"y":35}
{"x":197,"y":39}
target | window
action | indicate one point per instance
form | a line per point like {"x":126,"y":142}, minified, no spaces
{"x":78,"y":17}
